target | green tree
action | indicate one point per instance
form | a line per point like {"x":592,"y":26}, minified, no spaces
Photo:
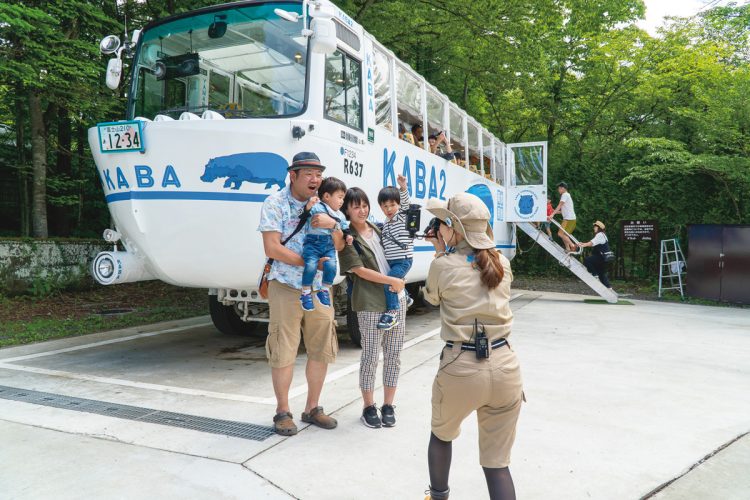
{"x":50,"y":60}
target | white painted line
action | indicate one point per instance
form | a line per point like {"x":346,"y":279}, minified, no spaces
{"x":139,"y":385}
{"x":101,"y":343}
{"x":342,"y":372}
{"x":294,"y":392}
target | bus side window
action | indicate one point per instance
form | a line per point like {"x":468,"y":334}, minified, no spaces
{"x":499,"y":162}
{"x":343,"y":90}
{"x":408,"y":104}
{"x":435,"y":117}
{"x":382,"y":83}
{"x":486,"y":155}
{"x":458,"y":141}
{"x":474,"y":153}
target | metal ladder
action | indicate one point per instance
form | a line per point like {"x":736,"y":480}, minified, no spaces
{"x":671,"y":268}
{"x":568,"y":260}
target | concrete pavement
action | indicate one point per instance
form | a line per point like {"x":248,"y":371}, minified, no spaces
{"x":621,"y":400}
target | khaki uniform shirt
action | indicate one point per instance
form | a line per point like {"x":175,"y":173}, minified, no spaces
{"x":453,"y":284}
{"x":366,"y":295}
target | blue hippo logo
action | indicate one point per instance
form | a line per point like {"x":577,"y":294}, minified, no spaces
{"x":525,"y":204}
{"x":256,"y":168}
{"x":483,"y":193}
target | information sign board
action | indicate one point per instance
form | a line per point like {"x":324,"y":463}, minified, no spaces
{"x":639,"y":230}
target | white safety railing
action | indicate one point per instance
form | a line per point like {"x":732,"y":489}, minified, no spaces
{"x":572,"y":238}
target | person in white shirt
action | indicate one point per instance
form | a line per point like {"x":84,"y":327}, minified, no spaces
{"x":596,"y":263}
{"x":567,"y":209}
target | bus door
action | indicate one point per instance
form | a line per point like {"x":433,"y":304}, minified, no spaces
{"x":343,"y":121}
{"x":526,"y":172}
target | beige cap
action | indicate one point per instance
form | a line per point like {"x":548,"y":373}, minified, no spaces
{"x":599,"y":224}
{"x":468,"y":215}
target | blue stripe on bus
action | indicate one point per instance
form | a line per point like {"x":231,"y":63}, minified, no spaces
{"x":198,"y":195}
{"x":185,"y":195}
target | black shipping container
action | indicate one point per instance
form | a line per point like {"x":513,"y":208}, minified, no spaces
{"x":719,"y":262}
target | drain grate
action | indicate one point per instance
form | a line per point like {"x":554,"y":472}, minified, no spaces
{"x":231,"y":428}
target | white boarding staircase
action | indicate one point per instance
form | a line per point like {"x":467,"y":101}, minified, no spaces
{"x":568,"y":260}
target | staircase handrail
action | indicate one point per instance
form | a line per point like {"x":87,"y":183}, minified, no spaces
{"x":572,"y":238}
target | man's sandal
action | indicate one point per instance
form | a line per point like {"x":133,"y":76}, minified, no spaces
{"x":318,"y":417}
{"x":283,"y":424}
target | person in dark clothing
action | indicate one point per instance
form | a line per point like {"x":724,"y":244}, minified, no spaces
{"x":595,"y":263}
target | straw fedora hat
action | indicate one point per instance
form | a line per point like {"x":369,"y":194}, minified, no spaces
{"x":468,"y":215}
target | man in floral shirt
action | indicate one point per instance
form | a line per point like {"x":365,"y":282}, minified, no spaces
{"x":279,"y":217}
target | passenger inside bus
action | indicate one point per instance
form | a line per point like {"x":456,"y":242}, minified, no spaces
{"x":404,"y":135}
{"x":418,"y":132}
{"x":458,"y":159}
{"x":440,"y":146}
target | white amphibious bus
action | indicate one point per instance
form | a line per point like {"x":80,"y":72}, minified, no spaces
{"x":222,"y":98}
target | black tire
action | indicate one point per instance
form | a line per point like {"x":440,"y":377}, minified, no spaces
{"x":414,"y":292}
{"x":352,"y":324}
{"x":225,"y":320}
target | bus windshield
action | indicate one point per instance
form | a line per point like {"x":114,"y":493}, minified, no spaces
{"x":241,"y":62}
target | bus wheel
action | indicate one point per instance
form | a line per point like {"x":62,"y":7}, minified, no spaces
{"x":352,"y":324}
{"x":227,"y":321}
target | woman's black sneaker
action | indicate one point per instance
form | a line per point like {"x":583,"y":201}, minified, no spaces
{"x":388,"y":415}
{"x":370,"y":417}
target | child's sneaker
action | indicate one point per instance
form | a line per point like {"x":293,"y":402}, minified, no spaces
{"x":324,"y":297}
{"x":307,"y":302}
{"x":386,"y":322}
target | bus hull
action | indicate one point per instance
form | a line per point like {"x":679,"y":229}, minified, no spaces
{"x":191,"y":219}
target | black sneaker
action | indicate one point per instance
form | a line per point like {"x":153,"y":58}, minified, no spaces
{"x":370,"y":417}
{"x":388,"y":415}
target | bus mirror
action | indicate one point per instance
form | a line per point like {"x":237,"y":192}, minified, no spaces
{"x":109,"y":44}
{"x":218,"y":28}
{"x":136,"y":36}
{"x":114,"y":71}
{"x":292,"y":17}
{"x":323,"y":36}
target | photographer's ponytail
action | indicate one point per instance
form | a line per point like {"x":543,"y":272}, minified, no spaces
{"x":490,"y":268}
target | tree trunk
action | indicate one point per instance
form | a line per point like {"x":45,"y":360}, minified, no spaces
{"x":59,"y":216}
{"x":39,"y":166}
{"x":80,"y":174}
{"x":21,"y":165}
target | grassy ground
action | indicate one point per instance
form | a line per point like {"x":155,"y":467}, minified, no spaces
{"x":25,"y":319}
{"x":65,"y":314}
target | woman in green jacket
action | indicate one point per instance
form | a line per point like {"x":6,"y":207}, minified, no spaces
{"x":364,"y":263}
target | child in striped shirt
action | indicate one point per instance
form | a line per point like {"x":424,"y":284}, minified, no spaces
{"x":398,"y":245}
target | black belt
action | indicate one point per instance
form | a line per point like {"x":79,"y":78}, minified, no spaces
{"x":466,"y":346}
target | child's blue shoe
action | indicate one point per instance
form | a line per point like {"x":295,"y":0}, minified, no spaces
{"x":324,"y":297}
{"x":307,"y":302}
{"x":386,"y":322}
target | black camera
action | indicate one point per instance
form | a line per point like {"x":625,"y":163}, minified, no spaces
{"x":432,"y":228}
{"x":413,"y":219}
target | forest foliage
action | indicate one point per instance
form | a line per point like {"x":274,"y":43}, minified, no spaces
{"x":640,"y":126}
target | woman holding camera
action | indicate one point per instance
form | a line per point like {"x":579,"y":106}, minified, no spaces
{"x":470,"y":280}
{"x":365,"y":265}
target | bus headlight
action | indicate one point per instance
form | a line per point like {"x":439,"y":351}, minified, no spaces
{"x":110,"y":268}
{"x":105,"y":267}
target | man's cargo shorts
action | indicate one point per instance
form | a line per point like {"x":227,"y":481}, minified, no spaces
{"x":490,"y":386}
{"x":288,"y":322}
